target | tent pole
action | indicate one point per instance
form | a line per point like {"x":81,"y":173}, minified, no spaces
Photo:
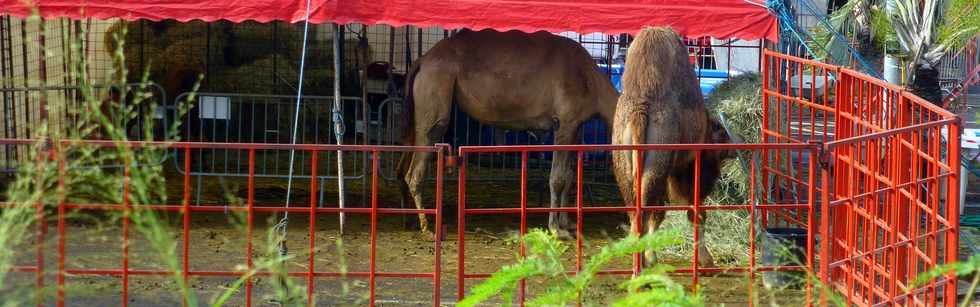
{"x":338,"y":120}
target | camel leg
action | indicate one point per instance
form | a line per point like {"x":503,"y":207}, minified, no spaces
{"x":682,"y":184}
{"x":415,"y":176}
{"x":654,"y":193}
{"x":414,"y":180}
{"x":562,"y":181}
{"x":654,"y":185}
{"x":432,"y":107}
{"x":403,"y":165}
{"x":705,"y":260}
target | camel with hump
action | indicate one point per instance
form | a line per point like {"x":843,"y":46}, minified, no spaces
{"x":535,"y":82}
{"x":661,"y":103}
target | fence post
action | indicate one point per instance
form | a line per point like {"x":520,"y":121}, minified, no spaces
{"x":823,"y":155}
{"x":437,"y":274}
{"x":312,"y":219}
{"x":952,"y":208}
{"x":814,"y":158}
{"x":461,"y":227}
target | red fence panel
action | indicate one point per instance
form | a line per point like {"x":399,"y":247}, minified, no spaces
{"x":125,"y":271}
{"x":756,"y":208}
{"x":889,"y":173}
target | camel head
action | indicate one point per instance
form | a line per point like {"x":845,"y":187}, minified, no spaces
{"x":718,"y":134}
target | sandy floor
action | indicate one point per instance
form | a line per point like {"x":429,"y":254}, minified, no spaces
{"x":216,"y":244}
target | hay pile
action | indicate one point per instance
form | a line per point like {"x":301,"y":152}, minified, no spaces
{"x":256,"y":78}
{"x":740,"y":100}
{"x":239,"y":57}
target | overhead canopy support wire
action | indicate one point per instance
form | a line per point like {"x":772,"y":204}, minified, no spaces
{"x":284,"y":222}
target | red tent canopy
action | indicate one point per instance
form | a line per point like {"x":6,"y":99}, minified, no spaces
{"x":745,"y":19}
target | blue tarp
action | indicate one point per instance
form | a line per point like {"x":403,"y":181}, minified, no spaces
{"x":709,"y":77}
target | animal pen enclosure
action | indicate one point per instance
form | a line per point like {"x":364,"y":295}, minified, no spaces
{"x":250,"y":72}
{"x":861,"y":166}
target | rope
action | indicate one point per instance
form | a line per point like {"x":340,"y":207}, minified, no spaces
{"x":785,"y":16}
{"x":284,"y":222}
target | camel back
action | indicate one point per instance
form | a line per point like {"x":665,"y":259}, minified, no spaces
{"x":493,"y":74}
{"x":660,"y":71}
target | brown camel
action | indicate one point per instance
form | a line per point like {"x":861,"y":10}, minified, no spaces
{"x":511,"y":80}
{"x":661,"y":103}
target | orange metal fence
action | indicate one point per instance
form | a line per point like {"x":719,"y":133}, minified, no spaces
{"x":125,"y":271}
{"x":866,"y":169}
{"x":755,"y":209}
{"x":889,"y":171}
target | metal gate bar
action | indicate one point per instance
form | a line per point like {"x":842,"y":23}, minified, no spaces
{"x":18,"y":100}
{"x":266,"y":119}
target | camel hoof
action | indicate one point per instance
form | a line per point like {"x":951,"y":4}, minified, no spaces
{"x":626,"y":228}
{"x":565,"y":235}
{"x":425,"y":235}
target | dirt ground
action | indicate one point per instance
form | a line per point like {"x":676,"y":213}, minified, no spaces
{"x":217,"y":242}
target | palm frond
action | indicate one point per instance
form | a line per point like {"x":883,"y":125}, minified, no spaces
{"x":961,"y":24}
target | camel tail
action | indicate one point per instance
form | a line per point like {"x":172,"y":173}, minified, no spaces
{"x":407,"y":121}
{"x":408,"y":106}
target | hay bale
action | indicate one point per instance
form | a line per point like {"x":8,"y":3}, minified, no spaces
{"x":250,"y":78}
{"x":113,"y":34}
{"x":251,"y":41}
{"x":320,"y":52}
{"x":165,"y":45}
{"x":162,"y":34}
{"x":256,"y":78}
{"x":176,"y":68}
{"x":188,"y":52}
{"x":124,"y":34}
{"x":170,"y":33}
{"x":318,"y":81}
{"x":740,"y":99}
{"x":241,"y":56}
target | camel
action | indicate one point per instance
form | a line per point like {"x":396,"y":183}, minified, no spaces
{"x":512,"y":80}
{"x":661,"y":103}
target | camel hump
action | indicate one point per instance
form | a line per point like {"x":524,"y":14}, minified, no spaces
{"x":658,"y":68}
{"x":657,"y":34}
